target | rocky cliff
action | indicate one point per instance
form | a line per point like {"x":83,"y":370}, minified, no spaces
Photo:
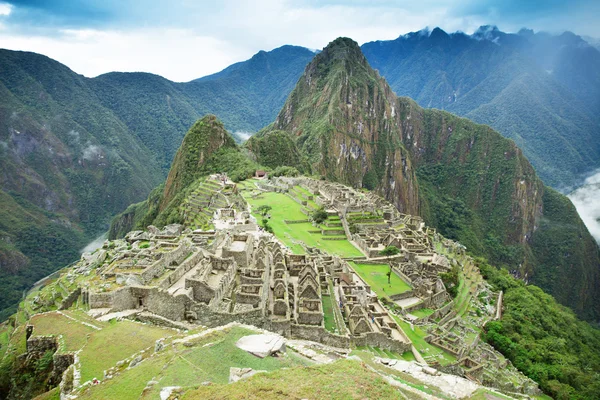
{"x":341,"y":115}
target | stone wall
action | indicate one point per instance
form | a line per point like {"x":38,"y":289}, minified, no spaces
{"x":70,"y":299}
{"x":164,"y":304}
{"x":319,"y":334}
{"x":41,"y":344}
{"x":100,"y":300}
{"x":181,"y":270}
{"x":378,"y":339}
{"x":60,"y":364}
{"x":211,"y":319}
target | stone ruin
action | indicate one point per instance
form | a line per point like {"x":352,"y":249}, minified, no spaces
{"x":236,"y":272}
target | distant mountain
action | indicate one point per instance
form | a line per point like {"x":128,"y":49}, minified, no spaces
{"x":76,"y":151}
{"x":540,"y":90}
{"x":465,"y":179}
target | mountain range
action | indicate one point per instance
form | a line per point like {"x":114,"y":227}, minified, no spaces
{"x":342,"y":122}
{"x":75,"y":150}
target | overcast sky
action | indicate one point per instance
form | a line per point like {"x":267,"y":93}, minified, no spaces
{"x":186,"y":39}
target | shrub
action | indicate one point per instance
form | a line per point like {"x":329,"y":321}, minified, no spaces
{"x":390,"y":251}
{"x":319,"y":216}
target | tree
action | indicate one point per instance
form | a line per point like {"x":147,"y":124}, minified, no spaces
{"x":319,"y":216}
{"x":390,"y":251}
{"x":266,"y":226}
{"x":264,"y":210}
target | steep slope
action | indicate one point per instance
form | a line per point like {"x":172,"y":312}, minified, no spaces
{"x":63,"y":157}
{"x":207,"y":148}
{"x":276,"y":148}
{"x":204,"y":138}
{"x":540,"y":90}
{"x":463,"y":178}
{"x":339,"y":115}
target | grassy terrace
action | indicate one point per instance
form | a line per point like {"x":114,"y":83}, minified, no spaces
{"x":99,"y":348}
{"x":427,"y":350}
{"x":284,"y":208}
{"x":345,"y":379}
{"x":423,"y":312}
{"x":376,"y":277}
{"x":208,"y":359}
{"x":328,"y":316}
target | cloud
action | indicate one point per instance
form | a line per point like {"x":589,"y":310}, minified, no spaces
{"x":176,"y":54}
{"x":587,"y":201}
{"x":5,"y":9}
{"x":185,"y":39}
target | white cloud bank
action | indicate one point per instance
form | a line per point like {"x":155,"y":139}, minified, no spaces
{"x":587,"y":201}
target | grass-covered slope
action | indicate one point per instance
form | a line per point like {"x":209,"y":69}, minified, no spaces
{"x":276,"y":148}
{"x":346,"y":379}
{"x":202,"y":140}
{"x":207,"y":148}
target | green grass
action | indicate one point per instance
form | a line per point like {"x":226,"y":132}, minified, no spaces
{"x":117,"y":341}
{"x":130,"y":383}
{"x":53,"y":394}
{"x":376,"y":276}
{"x":74,"y":333}
{"x":328,"y":316}
{"x":345,"y":379}
{"x":417,"y":336}
{"x":423,"y":312}
{"x":212,"y":356}
{"x":209,"y":359}
{"x":5,"y":331}
{"x":284,"y":208}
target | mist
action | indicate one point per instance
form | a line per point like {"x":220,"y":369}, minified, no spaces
{"x":587,"y":201}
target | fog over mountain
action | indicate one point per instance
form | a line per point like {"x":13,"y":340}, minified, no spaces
{"x":587,"y":201}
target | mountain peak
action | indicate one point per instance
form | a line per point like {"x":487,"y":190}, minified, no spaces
{"x":204,"y":138}
{"x":438,"y":34}
{"x":341,"y":48}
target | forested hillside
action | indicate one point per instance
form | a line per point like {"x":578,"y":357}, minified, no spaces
{"x":541,"y":90}
{"x":76,"y":151}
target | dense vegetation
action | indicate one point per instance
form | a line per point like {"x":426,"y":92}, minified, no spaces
{"x":82,"y":150}
{"x":207,"y":148}
{"x":540,"y":90}
{"x":276,"y":149}
{"x":543,"y":339}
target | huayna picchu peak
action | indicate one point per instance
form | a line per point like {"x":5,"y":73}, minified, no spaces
{"x":374,"y":221}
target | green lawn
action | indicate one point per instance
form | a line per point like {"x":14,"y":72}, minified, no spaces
{"x":208,"y":359}
{"x":74,"y":333}
{"x":376,"y":276}
{"x":344,"y":379}
{"x":423,"y":312}
{"x":116,"y":342}
{"x":328,"y":316}
{"x":284,"y":208}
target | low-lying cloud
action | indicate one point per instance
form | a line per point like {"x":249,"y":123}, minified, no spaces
{"x":587,"y":201}
{"x":242,"y":135}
